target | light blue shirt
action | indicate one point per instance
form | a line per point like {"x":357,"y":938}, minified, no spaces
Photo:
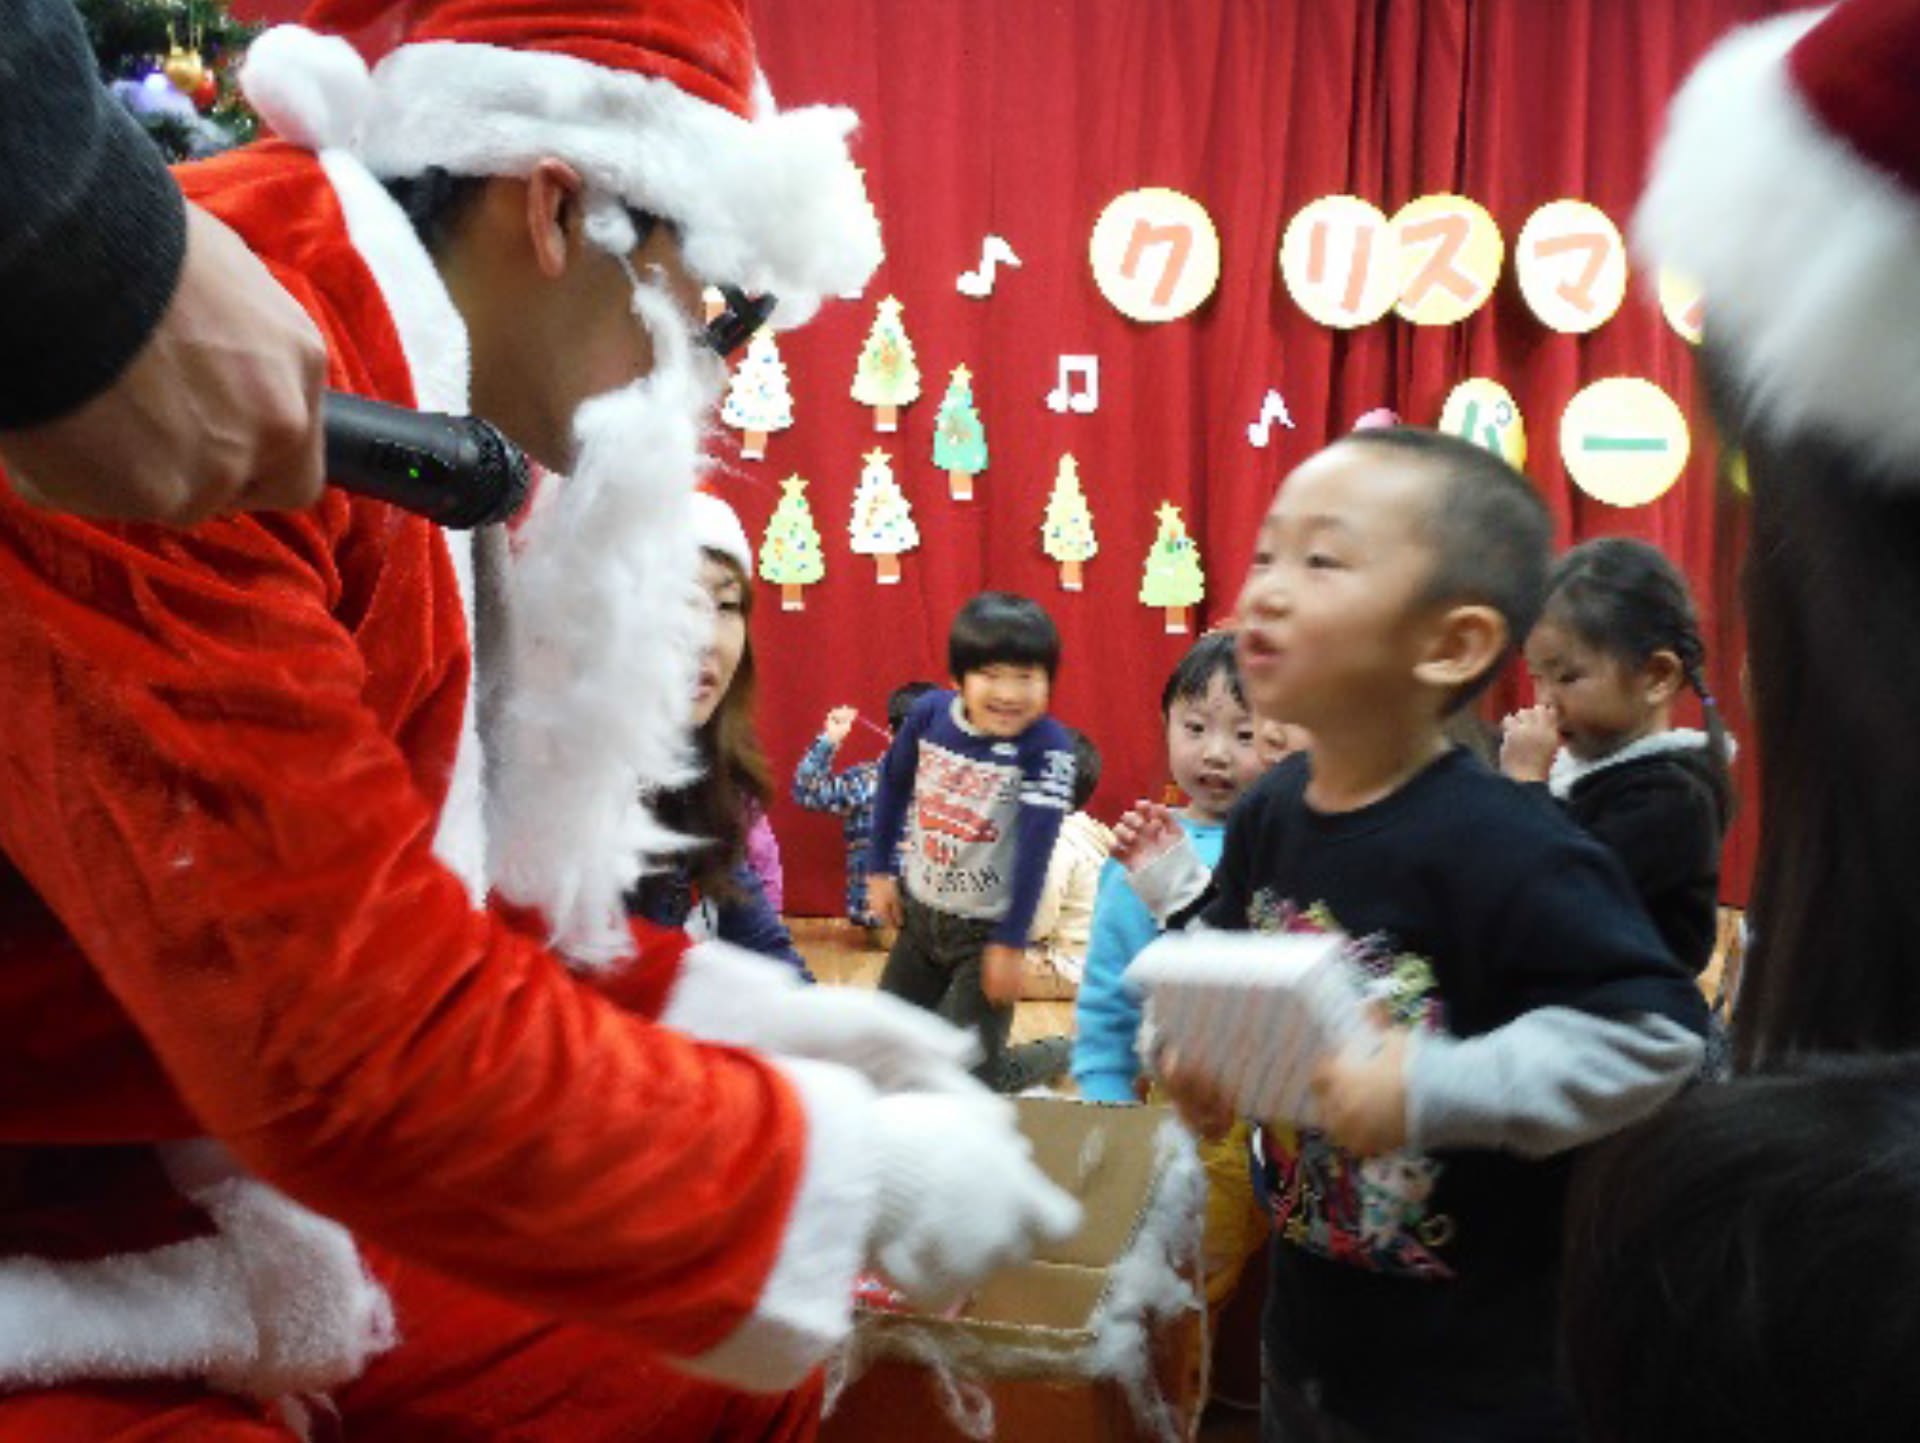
{"x":1106,"y":1017}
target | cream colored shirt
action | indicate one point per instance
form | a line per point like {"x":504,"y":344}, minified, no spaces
{"x":1063,"y":921}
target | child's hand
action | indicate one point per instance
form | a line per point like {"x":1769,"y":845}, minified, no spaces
{"x":1363,"y":1096}
{"x":883,"y":900}
{"x":1001,"y":973}
{"x":839,"y":723}
{"x":1147,"y":831}
{"x":1202,"y":1106}
{"x":1528,"y":741}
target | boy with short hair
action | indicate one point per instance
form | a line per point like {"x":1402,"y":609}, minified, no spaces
{"x":1534,"y":1007}
{"x":849,"y":793}
{"x":978,"y":780}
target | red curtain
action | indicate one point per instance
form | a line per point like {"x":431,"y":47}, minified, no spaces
{"x":1023,"y":118}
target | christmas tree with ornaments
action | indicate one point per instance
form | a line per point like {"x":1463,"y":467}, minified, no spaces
{"x":175,"y":65}
{"x":883,"y":524}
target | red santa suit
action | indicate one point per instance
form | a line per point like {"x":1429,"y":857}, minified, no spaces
{"x":245,"y":895}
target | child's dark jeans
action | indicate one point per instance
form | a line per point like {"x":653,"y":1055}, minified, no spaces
{"x":935,"y":964}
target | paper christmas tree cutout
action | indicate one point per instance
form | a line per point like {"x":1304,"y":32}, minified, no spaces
{"x":790,"y":556}
{"x":758,"y":398}
{"x":882,"y":520}
{"x":1173,"y":580}
{"x":887,"y":377}
{"x":959,"y":440}
{"x":1067,"y":533}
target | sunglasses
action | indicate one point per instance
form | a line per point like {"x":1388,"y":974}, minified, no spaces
{"x":734,"y":327}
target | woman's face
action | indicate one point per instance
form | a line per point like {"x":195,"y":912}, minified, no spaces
{"x":725,"y":594}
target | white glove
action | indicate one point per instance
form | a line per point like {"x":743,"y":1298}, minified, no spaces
{"x":959,"y":1194}
{"x":729,"y":995}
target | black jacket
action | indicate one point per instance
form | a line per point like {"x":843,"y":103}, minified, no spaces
{"x":1662,"y":816}
{"x":92,"y":228}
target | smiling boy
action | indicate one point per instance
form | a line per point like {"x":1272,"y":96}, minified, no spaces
{"x":987,"y":777}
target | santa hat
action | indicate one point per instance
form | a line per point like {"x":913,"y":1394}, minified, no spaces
{"x":658,"y":103}
{"x":716,"y":526}
{"x":1788,"y":187}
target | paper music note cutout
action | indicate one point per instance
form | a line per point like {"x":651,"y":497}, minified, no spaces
{"x":1063,"y":397}
{"x":979,"y":283}
{"x":1274,"y":408}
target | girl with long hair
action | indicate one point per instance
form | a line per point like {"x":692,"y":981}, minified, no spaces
{"x":710,"y":889}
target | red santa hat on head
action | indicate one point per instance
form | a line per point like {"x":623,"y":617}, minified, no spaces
{"x":658,"y":103}
{"x":1788,"y":187}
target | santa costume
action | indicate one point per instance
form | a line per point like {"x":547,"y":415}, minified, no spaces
{"x":315,"y":828}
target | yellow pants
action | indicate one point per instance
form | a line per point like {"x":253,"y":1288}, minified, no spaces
{"x":1236,"y":1225}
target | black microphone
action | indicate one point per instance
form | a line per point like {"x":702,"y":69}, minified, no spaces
{"x":458,"y":471}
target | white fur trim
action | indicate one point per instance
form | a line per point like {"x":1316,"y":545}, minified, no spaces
{"x":1808,"y":256}
{"x":721,"y":988}
{"x":311,"y":89}
{"x":1568,"y":769}
{"x":772,"y":204}
{"x":433,"y":338}
{"x":717,"y":526}
{"x":276,"y":1302}
{"x":805,"y":1310}
{"x":605,"y":637}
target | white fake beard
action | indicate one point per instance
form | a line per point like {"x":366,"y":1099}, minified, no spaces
{"x":605,"y":632}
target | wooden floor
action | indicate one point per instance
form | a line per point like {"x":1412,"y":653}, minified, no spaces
{"x":840,"y":954}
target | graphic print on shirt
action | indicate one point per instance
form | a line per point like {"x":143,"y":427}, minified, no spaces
{"x":1371,"y":1212}
{"x":961,"y":836}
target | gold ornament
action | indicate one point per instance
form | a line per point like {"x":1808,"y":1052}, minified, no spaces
{"x":184,"y":69}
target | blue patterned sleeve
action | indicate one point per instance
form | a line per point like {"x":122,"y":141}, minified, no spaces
{"x":818,"y":789}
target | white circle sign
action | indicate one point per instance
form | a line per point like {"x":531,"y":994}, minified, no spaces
{"x":1155,"y":254}
{"x":1339,"y":262}
{"x":1573,"y":266}
{"x":1624,"y":440}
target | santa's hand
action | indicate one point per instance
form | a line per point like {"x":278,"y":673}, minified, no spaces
{"x":959,"y":1194}
{"x":725,"y":994}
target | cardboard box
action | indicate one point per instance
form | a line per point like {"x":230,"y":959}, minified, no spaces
{"x":1100,"y":1337}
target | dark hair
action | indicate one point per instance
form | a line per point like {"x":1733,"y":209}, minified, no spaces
{"x":999,"y":628}
{"x":1624,"y":599}
{"x":1746,"y":1264}
{"x":436,"y":202}
{"x":1832,"y":602}
{"x":1086,"y":767}
{"x":717,"y":807}
{"x":1492,"y":535}
{"x":902,"y":700}
{"x":1212,"y":655}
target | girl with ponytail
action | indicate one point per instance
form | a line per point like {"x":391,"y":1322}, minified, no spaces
{"x":1617,"y":644}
